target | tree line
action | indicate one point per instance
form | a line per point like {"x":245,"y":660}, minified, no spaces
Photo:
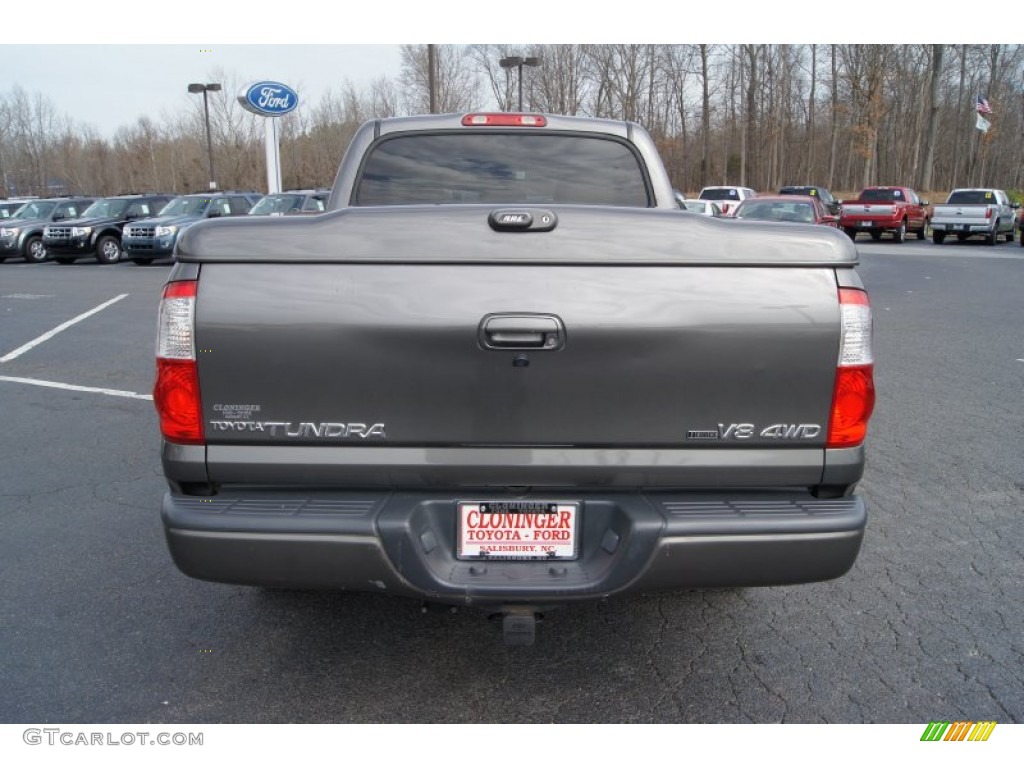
{"x":841,"y":116}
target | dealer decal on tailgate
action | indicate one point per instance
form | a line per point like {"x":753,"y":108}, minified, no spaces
{"x":517,"y":530}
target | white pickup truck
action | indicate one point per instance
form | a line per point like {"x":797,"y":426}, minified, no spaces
{"x":967,"y":212}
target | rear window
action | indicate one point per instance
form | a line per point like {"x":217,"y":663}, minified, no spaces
{"x":881,"y":195}
{"x":972,"y":197}
{"x":501,"y":168}
{"x":809,"y":191}
{"x":720,"y":193}
{"x":775,"y":210}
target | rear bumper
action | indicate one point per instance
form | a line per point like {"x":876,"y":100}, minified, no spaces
{"x":971,"y":228}
{"x":404,"y":543}
{"x":889,"y":223}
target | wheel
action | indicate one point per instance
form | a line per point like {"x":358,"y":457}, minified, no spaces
{"x":64,"y":260}
{"x":900,"y":234}
{"x":108,"y":250}
{"x":993,"y":237}
{"x":1022,"y":238}
{"x":922,"y":233}
{"x":938,"y":237}
{"x":876,"y":234}
{"x":853,"y":233}
{"x":142,"y":262}
{"x":1012,"y":234}
{"x":35,"y":250}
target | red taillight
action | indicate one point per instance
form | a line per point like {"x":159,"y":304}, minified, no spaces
{"x":852,"y":403}
{"x":988,"y":213}
{"x":176,"y":391}
{"x":853,"y":398}
{"x":505,"y":118}
{"x":176,"y":396}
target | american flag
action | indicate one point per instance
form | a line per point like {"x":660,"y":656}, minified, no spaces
{"x":983,"y":107}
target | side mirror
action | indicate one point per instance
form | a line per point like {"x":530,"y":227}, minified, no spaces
{"x":925,"y":202}
{"x":213,"y":213}
{"x":1015,"y":206}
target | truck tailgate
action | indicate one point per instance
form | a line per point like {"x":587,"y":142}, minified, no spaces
{"x":692,"y":357}
{"x":975,"y":215}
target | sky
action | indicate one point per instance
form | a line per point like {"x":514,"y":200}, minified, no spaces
{"x":111,"y":86}
{"x":318,"y":45}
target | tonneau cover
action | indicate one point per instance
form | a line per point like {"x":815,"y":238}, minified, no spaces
{"x":462,"y":234}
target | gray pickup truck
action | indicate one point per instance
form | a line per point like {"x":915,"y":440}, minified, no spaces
{"x":967,"y":212}
{"x":505,"y":370}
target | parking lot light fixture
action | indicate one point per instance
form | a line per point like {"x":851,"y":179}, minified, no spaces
{"x":518,"y":62}
{"x":205,"y":88}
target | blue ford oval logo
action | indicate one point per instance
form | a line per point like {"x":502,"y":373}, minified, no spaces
{"x":269,"y":98}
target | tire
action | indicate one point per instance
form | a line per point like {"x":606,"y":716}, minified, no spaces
{"x":900,"y":234}
{"x":108,"y":250}
{"x":64,"y":260}
{"x":922,"y":233}
{"x":993,"y":237}
{"x":1012,"y":234}
{"x":142,"y":262}
{"x":852,"y":233}
{"x":938,"y":237}
{"x":35,"y":250}
{"x":1022,"y":238}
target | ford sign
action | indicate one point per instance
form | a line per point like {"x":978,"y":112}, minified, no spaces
{"x":268,"y":98}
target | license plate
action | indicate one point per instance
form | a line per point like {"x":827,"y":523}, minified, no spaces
{"x":865,"y":223}
{"x":517,"y":530}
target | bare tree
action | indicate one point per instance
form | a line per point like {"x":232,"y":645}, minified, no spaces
{"x":867,"y":67}
{"x":935,"y":73}
{"x":457,"y":83}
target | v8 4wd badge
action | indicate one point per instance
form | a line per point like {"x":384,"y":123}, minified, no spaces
{"x":747,"y":431}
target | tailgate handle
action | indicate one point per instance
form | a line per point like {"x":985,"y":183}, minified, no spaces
{"x":503,"y":331}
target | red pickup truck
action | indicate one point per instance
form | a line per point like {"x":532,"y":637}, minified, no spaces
{"x":885,"y":209}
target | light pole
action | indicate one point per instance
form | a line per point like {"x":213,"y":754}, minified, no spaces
{"x":204,"y":89}
{"x":519,"y":62}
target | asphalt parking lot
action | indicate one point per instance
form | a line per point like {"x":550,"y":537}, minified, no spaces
{"x":98,"y":626}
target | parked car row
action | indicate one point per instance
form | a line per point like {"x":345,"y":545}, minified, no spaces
{"x":21,"y":234}
{"x":141,"y":228}
{"x":880,"y":210}
{"x":793,"y":204}
{"x":144,"y":228}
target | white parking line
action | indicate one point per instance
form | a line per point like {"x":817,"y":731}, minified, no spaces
{"x":76,"y":388}
{"x":50,"y":334}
